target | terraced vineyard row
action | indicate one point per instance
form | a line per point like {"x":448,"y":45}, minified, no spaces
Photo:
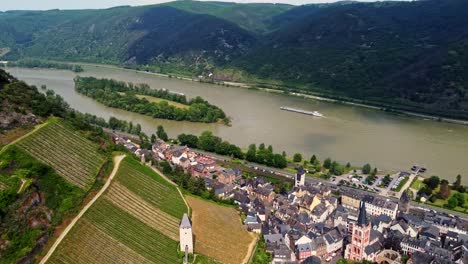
{"x":103,"y":248}
{"x":136,"y":235}
{"x":151,"y":187}
{"x":145,"y":212}
{"x":74,"y":157}
{"x":127,"y":224}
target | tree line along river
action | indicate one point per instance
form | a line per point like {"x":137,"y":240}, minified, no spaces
{"x":346,"y":133}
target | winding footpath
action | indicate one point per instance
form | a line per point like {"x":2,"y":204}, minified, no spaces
{"x":117,"y":161}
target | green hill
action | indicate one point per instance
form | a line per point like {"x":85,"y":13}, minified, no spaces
{"x":408,"y":55}
{"x":46,"y":174}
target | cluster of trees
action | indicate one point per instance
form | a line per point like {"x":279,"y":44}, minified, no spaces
{"x":457,"y":199}
{"x":445,"y":191}
{"x":334,"y":167}
{"x":264,"y":155}
{"x":211,"y":143}
{"x":124,"y":96}
{"x":34,"y":63}
{"x":208,"y":142}
{"x":430,"y":184}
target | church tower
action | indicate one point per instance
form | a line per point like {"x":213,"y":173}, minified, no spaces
{"x":360,"y":236}
{"x":404,"y":203}
{"x":186,"y":236}
{"x":300,"y":177}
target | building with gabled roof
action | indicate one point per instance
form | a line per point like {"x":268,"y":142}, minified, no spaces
{"x":186,"y":235}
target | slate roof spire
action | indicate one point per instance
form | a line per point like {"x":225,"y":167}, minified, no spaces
{"x":362,"y":218}
{"x":185,"y":223}
{"x":300,"y":172}
{"x":405,"y":197}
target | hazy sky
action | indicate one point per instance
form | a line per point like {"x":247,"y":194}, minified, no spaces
{"x":82,"y":4}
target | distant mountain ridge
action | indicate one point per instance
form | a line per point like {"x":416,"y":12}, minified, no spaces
{"x":410,"y":55}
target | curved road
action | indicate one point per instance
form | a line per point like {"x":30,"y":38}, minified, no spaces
{"x":117,"y":161}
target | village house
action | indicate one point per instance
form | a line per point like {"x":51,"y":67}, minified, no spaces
{"x":264,"y":194}
{"x":303,"y":248}
{"x":208,"y":163}
{"x":405,"y":229}
{"x":333,"y":240}
{"x":229,"y":176}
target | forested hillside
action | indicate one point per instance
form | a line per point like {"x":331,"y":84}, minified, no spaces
{"x":408,"y":55}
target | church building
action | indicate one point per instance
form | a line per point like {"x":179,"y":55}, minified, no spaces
{"x":365,"y":243}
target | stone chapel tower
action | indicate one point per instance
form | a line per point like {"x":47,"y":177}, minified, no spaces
{"x":186,"y":236}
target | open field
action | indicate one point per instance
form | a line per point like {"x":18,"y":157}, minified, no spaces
{"x":135,"y":221}
{"x":219,"y":233}
{"x":158,"y":100}
{"x":73,"y":157}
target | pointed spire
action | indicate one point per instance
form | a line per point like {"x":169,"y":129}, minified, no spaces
{"x":362,"y":218}
{"x":405,"y":197}
{"x":185,"y":223}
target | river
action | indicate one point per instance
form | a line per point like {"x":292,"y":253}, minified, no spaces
{"x":347,"y":133}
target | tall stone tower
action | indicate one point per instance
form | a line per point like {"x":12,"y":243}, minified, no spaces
{"x":360,"y":237}
{"x":300,"y":177}
{"x":404,"y":203}
{"x":186,"y":236}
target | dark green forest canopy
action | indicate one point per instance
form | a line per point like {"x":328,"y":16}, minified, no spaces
{"x":124,"y":96}
{"x":405,"y":55}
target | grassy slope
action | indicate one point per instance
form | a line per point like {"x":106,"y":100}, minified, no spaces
{"x":136,"y":240}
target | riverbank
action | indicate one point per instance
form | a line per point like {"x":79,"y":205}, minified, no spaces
{"x":296,"y":94}
{"x":256,"y":117}
{"x":346,"y":101}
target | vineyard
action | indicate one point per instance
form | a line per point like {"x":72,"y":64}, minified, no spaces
{"x":135,"y":221}
{"x":73,"y":157}
{"x":145,"y":212}
{"x":150,"y":187}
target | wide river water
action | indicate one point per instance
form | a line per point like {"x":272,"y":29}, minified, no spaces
{"x":347,"y":133}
